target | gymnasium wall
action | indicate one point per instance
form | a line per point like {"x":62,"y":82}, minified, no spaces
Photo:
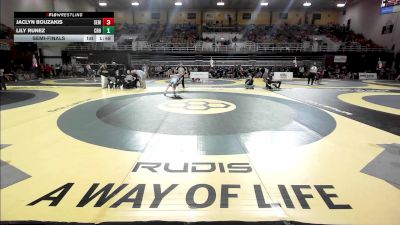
{"x":73,"y":6}
{"x":366,"y":19}
{"x":293,"y":17}
{"x":124,"y":16}
{"x":258,"y":16}
{"x":9,"y":6}
{"x":145,"y":17}
{"x":222,"y":15}
{"x":181,"y":17}
{"x":327,"y":17}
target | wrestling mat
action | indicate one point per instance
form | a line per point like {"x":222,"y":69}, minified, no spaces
{"x":325,"y":154}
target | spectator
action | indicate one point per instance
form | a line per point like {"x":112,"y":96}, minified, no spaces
{"x":2,"y":80}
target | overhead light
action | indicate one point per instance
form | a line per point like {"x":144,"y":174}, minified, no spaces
{"x":221,"y":3}
{"x":341,"y":5}
{"x":264,"y":3}
{"x":102,"y":3}
{"x":178,"y":3}
{"x":135,"y":3}
{"x":307,"y":4}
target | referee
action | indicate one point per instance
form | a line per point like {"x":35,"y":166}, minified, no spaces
{"x":312,"y":74}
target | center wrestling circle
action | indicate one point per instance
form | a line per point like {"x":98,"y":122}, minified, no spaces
{"x":135,"y":122}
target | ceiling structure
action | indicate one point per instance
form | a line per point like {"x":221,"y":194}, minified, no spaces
{"x":212,"y":4}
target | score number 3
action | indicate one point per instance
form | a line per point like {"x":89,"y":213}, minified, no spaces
{"x":108,"y":21}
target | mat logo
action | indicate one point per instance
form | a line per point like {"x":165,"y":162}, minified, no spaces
{"x":194,"y":167}
{"x":197,"y":106}
{"x":291,"y":196}
{"x":121,"y":195}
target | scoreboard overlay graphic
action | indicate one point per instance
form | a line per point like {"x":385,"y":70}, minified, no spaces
{"x":64,"y":26}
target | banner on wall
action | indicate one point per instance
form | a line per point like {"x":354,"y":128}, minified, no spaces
{"x":283,"y":75}
{"x":388,"y":28}
{"x":367,"y":76}
{"x":199,"y":75}
{"x":210,"y":16}
{"x":340,"y":59}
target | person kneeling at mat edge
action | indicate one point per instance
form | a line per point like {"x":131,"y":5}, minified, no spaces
{"x":268,"y":79}
{"x":249,"y":84}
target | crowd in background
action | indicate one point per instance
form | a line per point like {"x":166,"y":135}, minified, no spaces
{"x":188,"y":33}
{"x":284,"y":33}
{"x":178,"y":33}
{"x":336,"y":71}
{"x":278,"y":34}
{"x":46,"y":71}
{"x":6,"y":33}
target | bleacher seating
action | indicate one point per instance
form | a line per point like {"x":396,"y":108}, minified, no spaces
{"x":250,"y":38}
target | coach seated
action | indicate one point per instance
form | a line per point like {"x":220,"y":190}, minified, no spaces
{"x":249,"y":84}
{"x":120,"y":77}
{"x":131,"y":80}
{"x":128,"y":80}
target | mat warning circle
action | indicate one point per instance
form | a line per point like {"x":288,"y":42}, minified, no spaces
{"x":197,"y":106}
